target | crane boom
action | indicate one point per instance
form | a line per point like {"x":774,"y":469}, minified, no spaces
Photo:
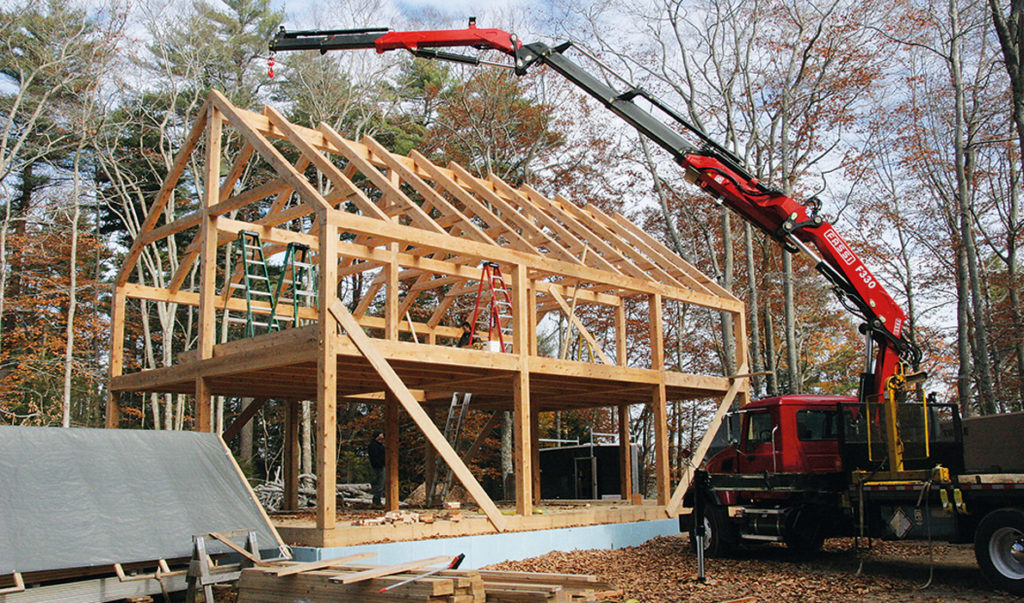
{"x":797,"y":226}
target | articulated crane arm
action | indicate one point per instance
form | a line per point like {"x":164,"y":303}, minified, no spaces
{"x":796,"y":226}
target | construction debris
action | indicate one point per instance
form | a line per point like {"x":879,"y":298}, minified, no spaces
{"x":262,"y":584}
{"x":393,"y":518}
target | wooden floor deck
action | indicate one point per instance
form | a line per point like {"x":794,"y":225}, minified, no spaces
{"x":283,"y":365}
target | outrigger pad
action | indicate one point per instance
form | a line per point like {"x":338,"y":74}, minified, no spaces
{"x":74,"y":498}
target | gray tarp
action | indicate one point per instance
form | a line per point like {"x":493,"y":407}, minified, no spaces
{"x":86,"y":497}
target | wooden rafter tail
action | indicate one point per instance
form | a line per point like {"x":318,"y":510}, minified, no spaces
{"x":160,"y":203}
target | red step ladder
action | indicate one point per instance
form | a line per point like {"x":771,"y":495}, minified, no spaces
{"x":499,"y":318}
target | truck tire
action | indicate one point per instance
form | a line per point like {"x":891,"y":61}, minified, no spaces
{"x":999,"y":549}
{"x":720,"y":535}
{"x":804,"y":534}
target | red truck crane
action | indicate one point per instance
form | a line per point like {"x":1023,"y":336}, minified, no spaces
{"x":793,"y":469}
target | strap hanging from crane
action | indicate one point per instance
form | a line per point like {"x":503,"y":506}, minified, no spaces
{"x":499,"y":307}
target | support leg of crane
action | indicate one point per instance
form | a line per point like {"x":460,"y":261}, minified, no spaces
{"x":700,"y":482}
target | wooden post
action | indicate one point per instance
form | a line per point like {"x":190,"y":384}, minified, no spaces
{"x":521,"y":394}
{"x":621,"y":357}
{"x":291,"y":455}
{"x":327,"y":375}
{"x":208,"y":266}
{"x":391,"y":317}
{"x":739,"y":322}
{"x":117,"y":303}
{"x":391,"y":451}
{"x":535,"y":452}
{"x":429,"y":468}
{"x":625,"y":455}
{"x":659,"y":402}
{"x":531,"y":299}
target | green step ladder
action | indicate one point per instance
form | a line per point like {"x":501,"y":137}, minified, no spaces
{"x":255,"y":284}
{"x":298,"y":282}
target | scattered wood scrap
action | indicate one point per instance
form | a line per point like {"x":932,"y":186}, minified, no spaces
{"x":355,"y":582}
{"x":408,"y":517}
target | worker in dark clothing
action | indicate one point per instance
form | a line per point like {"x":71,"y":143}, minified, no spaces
{"x":467,"y":340}
{"x":376,"y":453}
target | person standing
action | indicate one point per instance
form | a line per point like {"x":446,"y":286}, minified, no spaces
{"x":376,"y":453}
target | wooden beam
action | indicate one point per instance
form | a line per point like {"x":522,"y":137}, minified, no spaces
{"x":290,"y":462}
{"x":391,"y":451}
{"x":116,"y":368}
{"x":244,"y":417}
{"x":391,"y":315}
{"x":435,"y":199}
{"x":390,"y":570}
{"x":535,"y":453}
{"x":625,"y":455}
{"x":675,"y":503}
{"x":298,"y":568}
{"x":410,"y":209}
{"x":166,"y":189}
{"x":621,"y":353}
{"x":416,"y":412}
{"x":327,"y":376}
{"x":208,"y":265}
{"x":582,"y":329}
{"x":659,"y":401}
{"x":270,"y":154}
{"x":521,"y":412}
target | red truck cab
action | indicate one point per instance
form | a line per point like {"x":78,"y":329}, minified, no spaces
{"x":784,"y":434}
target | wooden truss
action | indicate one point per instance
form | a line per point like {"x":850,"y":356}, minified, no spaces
{"x":412,"y":228}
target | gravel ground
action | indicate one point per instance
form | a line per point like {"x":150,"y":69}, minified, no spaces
{"x":664,"y":569}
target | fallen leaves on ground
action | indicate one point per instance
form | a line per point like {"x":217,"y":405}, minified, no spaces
{"x":665,"y":569}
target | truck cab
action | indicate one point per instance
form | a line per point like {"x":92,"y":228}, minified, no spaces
{"x":785,"y":434}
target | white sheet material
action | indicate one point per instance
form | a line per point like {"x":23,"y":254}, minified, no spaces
{"x":87,"y":497}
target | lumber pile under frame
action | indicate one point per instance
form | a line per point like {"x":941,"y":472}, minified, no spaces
{"x":351,"y":582}
{"x":413,"y":228}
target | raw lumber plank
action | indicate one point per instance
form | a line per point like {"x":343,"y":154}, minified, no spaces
{"x":314,"y":565}
{"x":316,"y":587}
{"x":390,"y":570}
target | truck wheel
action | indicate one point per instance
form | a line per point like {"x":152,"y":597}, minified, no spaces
{"x":804,"y":534}
{"x":719,"y":535}
{"x":999,"y":549}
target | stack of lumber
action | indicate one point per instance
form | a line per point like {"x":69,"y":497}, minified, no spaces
{"x":340,"y":580}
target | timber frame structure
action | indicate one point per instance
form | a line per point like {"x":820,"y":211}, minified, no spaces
{"x":415,"y":227}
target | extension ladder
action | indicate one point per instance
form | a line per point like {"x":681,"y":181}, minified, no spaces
{"x":452,"y":431}
{"x":499,"y":318}
{"x":255,"y":284}
{"x":297,"y":282}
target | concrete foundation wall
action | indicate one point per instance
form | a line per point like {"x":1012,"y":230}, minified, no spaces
{"x":495,"y":548}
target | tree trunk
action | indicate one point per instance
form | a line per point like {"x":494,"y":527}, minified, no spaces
{"x":69,"y":335}
{"x":792,"y":353}
{"x":965,"y":160}
{"x":753,"y":310}
{"x":307,"y":439}
{"x":728,"y":335}
{"x":507,"y":466}
{"x":769,"y":351}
